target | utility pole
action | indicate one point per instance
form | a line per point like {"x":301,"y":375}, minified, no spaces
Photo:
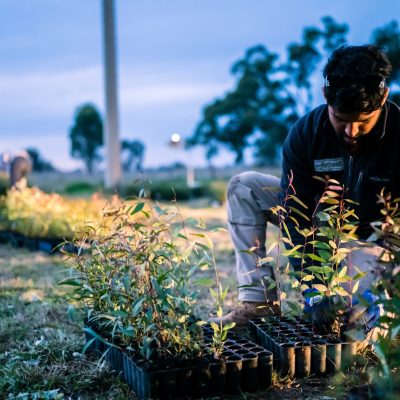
{"x":111,"y":134}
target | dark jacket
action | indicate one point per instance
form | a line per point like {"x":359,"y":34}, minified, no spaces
{"x":312,"y":148}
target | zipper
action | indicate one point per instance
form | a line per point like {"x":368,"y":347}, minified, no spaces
{"x":356,"y":189}
{"x":359,"y":180}
{"x":349,"y":174}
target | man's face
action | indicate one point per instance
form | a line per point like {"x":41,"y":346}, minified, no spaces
{"x":351,"y":126}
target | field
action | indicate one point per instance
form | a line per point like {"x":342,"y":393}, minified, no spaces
{"x":41,"y":335}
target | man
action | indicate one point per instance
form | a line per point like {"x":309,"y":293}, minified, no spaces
{"x":354,"y":138}
{"x":20,"y":168}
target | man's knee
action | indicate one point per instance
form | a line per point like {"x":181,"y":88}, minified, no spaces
{"x":252,"y":180}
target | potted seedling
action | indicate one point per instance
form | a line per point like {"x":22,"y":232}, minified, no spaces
{"x":135,"y":285}
{"x":323,"y":276}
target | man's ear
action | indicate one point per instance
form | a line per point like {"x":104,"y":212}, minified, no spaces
{"x":385,"y":96}
{"x":323,"y":92}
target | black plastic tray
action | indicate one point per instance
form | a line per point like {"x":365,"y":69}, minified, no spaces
{"x":244,"y":366}
{"x":298,"y":351}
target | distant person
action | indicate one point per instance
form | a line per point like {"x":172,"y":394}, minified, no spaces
{"x":353,"y":138}
{"x":20,"y":168}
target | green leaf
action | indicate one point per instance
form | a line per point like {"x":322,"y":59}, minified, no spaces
{"x":297,"y":200}
{"x":355,"y":287}
{"x":247,"y":286}
{"x":329,"y":200}
{"x":320,"y":270}
{"x":249,"y":251}
{"x":213,"y":293}
{"x":394,"y":331}
{"x":314,"y":257}
{"x":323,"y":216}
{"x":287,"y":241}
{"x":70,"y":282}
{"x":203,"y":282}
{"x":87,"y":345}
{"x":95,"y":335}
{"x":285,"y":228}
{"x":202,"y":235}
{"x":332,"y":244}
{"x":311,"y":294}
{"x":320,"y":287}
{"x":295,"y":222}
{"x":215,"y":327}
{"x":224,"y":293}
{"x":299,"y":213}
{"x":340,"y":291}
{"x":273,"y":245}
{"x":229,"y":326}
{"x":338,"y":257}
{"x":272,"y":285}
{"x":265,"y":260}
{"x":209,"y":242}
{"x":304,"y":287}
{"x":341,"y":279}
{"x":138,"y":207}
{"x":359,"y":276}
{"x":219,"y":229}
{"x":137,"y":306}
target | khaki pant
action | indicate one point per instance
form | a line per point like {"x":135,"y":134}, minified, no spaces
{"x":250,"y":195}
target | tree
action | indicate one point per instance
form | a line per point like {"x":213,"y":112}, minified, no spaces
{"x":304,"y":57}
{"x":388,"y":38}
{"x":87,"y":135}
{"x":39,"y":164}
{"x":259,"y":99}
{"x":268,"y":97}
{"x":133,"y":155}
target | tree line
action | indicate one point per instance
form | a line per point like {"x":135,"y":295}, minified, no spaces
{"x":270,"y":93}
{"x":86,"y":142}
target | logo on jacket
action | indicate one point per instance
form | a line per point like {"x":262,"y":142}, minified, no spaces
{"x":378,"y":179}
{"x":329,"y":164}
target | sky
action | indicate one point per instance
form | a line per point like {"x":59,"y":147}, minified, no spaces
{"x":174,"y":57}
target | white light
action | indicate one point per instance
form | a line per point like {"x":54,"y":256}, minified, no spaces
{"x":175,"y":138}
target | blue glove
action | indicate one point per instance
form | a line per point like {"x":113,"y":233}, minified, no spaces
{"x":310,"y":301}
{"x":365,"y":311}
{"x":320,"y":311}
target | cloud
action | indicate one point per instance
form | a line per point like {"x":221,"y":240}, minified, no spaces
{"x":56,"y":93}
{"x":51,"y":93}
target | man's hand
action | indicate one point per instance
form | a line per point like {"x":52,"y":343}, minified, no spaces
{"x":365,"y":312}
{"x":322,"y":311}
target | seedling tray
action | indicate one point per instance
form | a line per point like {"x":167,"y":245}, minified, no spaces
{"x":46,"y":245}
{"x":244,"y":366}
{"x":298,"y":351}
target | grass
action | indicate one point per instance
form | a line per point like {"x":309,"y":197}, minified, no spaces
{"x":41,"y":336}
{"x":40,"y":341}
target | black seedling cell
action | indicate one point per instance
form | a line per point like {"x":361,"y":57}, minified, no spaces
{"x":297,"y":351}
{"x":243,"y":366}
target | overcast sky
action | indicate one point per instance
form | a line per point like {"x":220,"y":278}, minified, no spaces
{"x":174,"y":57}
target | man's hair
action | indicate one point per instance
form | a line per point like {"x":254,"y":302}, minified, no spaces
{"x":355,"y":78}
